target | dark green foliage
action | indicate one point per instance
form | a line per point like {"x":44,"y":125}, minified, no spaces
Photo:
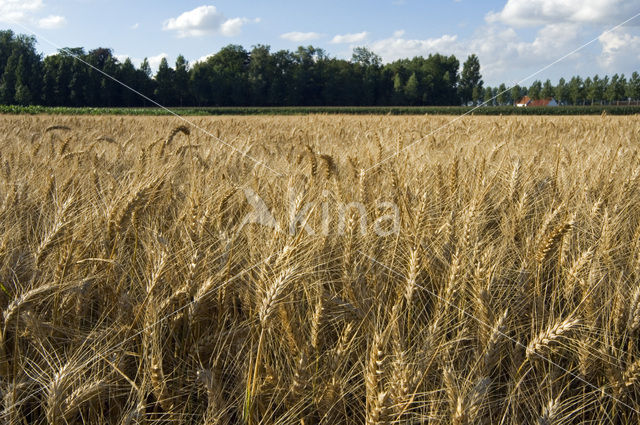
{"x":351,"y":110}
{"x":470,"y":86}
{"x":307,"y":77}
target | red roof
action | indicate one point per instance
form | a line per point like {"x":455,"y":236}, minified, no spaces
{"x":541,"y":102}
{"x":524,"y":101}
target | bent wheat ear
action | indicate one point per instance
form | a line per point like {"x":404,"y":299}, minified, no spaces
{"x":57,"y":127}
{"x":55,"y":395}
{"x":272,"y":296}
{"x":179,"y":129}
{"x":549,"y":413}
{"x":329,"y":166}
{"x":552,"y":242}
{"x":313,"y":162}
{"x":550,"y":335}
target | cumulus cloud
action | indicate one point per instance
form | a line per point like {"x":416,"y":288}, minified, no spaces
{"x":204,"y":58}
{"x":52,"y":22}
{"x":501,"y":50}
{"x":350,"y":38}
{"x":620,"y":51}
{"x":233,"y":27}
{"x":299,"y":37}
{"x":205,"y":20}
{"x":526,"y":13}
{"x":122,"y":58}
{"x":19,"y":10}
{"x":398,"y":47}
{"x":28,"y":11}
{"x":154,"y":61}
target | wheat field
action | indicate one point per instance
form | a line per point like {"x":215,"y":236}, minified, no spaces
{"x":489,"y":274}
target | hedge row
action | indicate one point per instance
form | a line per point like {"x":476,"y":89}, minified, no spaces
{"x":304,"y":110}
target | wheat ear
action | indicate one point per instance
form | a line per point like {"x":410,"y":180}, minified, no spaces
{"x":550,"y":335}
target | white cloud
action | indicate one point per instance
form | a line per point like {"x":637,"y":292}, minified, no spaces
{"x":122,"y":58}
{"x":397,"y":47}
{"x":233,"y":27}
{"x":205,"y":20}
{"x":154,"y":61}
{"x":18,"y":10}
{"x":298,"y":37}
{"x":523,"y":13}
{"x":502,"y":52}
{"x":620,"y":51}
{"x":27,"y":11}
{"x":135,"y":26}
{"x":350,"y":38}
{"x":204,"y":58}
{"x":52,"y":22}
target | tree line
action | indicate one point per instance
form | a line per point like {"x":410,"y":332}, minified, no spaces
{"x":235,"y":76}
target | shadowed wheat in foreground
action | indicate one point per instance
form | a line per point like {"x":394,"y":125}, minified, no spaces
{"x":489,"y":274}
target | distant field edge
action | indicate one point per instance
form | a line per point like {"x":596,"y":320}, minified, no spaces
{"x":308,"y":110}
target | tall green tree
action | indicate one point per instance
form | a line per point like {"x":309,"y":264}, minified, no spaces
{"x":398,"y":89}
{"x":412,"y":89}
{"x":615,"y":89}
{"x":145,"y":68}
{"x":590,"y":90}
{"x":8,"y":80}
{"x":22,"y":92}
{"x":21,"y":76}
{"x":562,"y":91}
{"x":261,"y":74}
{"x":502,"y":96}
{"x":535,"y":90}
{"x":470,"y":79}
{"x":595,"y":88}
{"x":165,"y":88}
{"x":516,"y":93}
{"x":181,"y":81}
{"x":633,"y":86}
{"x":488,"y":96}
{"x":476,"y":94}
{"x":367,"y":65}
{"x":576,"y":90}
{"x":364,"y":56}
{"x":127,"y":74}
{"x":547,"y":90}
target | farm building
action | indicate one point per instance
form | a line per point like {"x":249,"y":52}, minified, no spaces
{"x":527,"y":101}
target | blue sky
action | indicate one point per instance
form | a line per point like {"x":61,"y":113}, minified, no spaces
{"x":513,"y":38}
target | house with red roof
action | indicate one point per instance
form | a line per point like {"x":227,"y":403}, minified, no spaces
{"x":527,"y":101}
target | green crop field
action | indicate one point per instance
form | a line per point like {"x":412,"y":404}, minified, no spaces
{"x":304,"y":110}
